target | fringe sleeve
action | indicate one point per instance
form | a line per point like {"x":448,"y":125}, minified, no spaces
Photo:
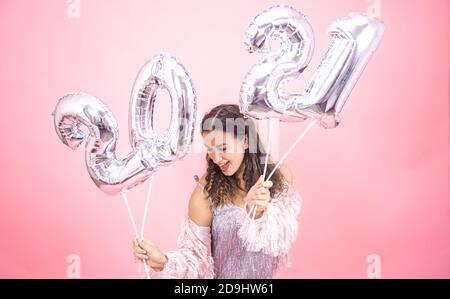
{"x":193,"y":258}
{"x":276,"y":230}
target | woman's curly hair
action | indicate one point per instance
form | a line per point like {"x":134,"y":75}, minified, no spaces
{"x":221,"y":188}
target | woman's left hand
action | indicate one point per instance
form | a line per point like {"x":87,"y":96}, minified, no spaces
{"x":259,"y":196}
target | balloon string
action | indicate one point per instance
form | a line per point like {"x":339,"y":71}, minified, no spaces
{"x":269,"y":142}
{"x":292,"y":147}
{"x":300,"y":137}
{"x":268,"y":147}
{"x":147,"y":200}
{"x":125,"y":199}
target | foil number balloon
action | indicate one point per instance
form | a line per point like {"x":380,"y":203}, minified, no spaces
{"x":354,"y":39}
{"x":109,"y":173}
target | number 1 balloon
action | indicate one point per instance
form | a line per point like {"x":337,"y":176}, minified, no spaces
{"x":354,"y":40}
{"x":111,"y":174}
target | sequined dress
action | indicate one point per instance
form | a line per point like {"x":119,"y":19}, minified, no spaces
{"x":237,"y":246}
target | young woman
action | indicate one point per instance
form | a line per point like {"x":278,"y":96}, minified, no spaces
{"x":223,"y":236}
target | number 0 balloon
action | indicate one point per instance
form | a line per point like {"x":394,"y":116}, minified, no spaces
{"x":111,"y":174}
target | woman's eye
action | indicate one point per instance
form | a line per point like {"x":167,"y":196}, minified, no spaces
{"x":207,"y":149}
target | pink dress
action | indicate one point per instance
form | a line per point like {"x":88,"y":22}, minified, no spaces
{"x":235,"y":246}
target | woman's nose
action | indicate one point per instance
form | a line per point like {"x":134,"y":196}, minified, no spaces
{"x":215,"y":156}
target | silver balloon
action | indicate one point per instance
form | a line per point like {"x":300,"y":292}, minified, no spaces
{"x":354,"y":40}
{"x":163,"y":72}
{"x":109,"y":173}
{"x":260,"y":93}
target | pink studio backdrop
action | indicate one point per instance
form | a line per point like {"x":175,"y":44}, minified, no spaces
{"x":376,"y":185}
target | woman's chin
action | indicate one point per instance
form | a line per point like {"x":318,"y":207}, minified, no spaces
{"x":228,"y":173}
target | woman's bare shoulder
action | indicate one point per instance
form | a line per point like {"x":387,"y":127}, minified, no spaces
{"x":287,"y":173}
{"x":199,"y":208}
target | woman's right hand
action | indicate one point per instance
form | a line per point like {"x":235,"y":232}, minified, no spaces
{"x":149,"y":253}
{"x":259,"y":196}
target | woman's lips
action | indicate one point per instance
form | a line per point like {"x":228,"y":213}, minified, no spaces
{"x":225,"y":167}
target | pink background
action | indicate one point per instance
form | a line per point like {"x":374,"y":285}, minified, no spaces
{"x":378,"y":184}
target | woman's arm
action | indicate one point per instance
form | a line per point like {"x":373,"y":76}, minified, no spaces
{"x":276,"y":229}
{"x":199,"y":209}
{"x":193,"y":257}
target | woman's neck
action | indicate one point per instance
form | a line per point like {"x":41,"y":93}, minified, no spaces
{"x":240,"y":176}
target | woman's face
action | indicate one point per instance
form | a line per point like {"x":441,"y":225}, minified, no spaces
{"x":225,"y":150}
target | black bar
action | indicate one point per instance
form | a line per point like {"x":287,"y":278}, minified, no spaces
{"x":178,"y":288}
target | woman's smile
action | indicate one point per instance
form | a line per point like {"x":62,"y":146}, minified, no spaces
{"x":224,"y":166}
